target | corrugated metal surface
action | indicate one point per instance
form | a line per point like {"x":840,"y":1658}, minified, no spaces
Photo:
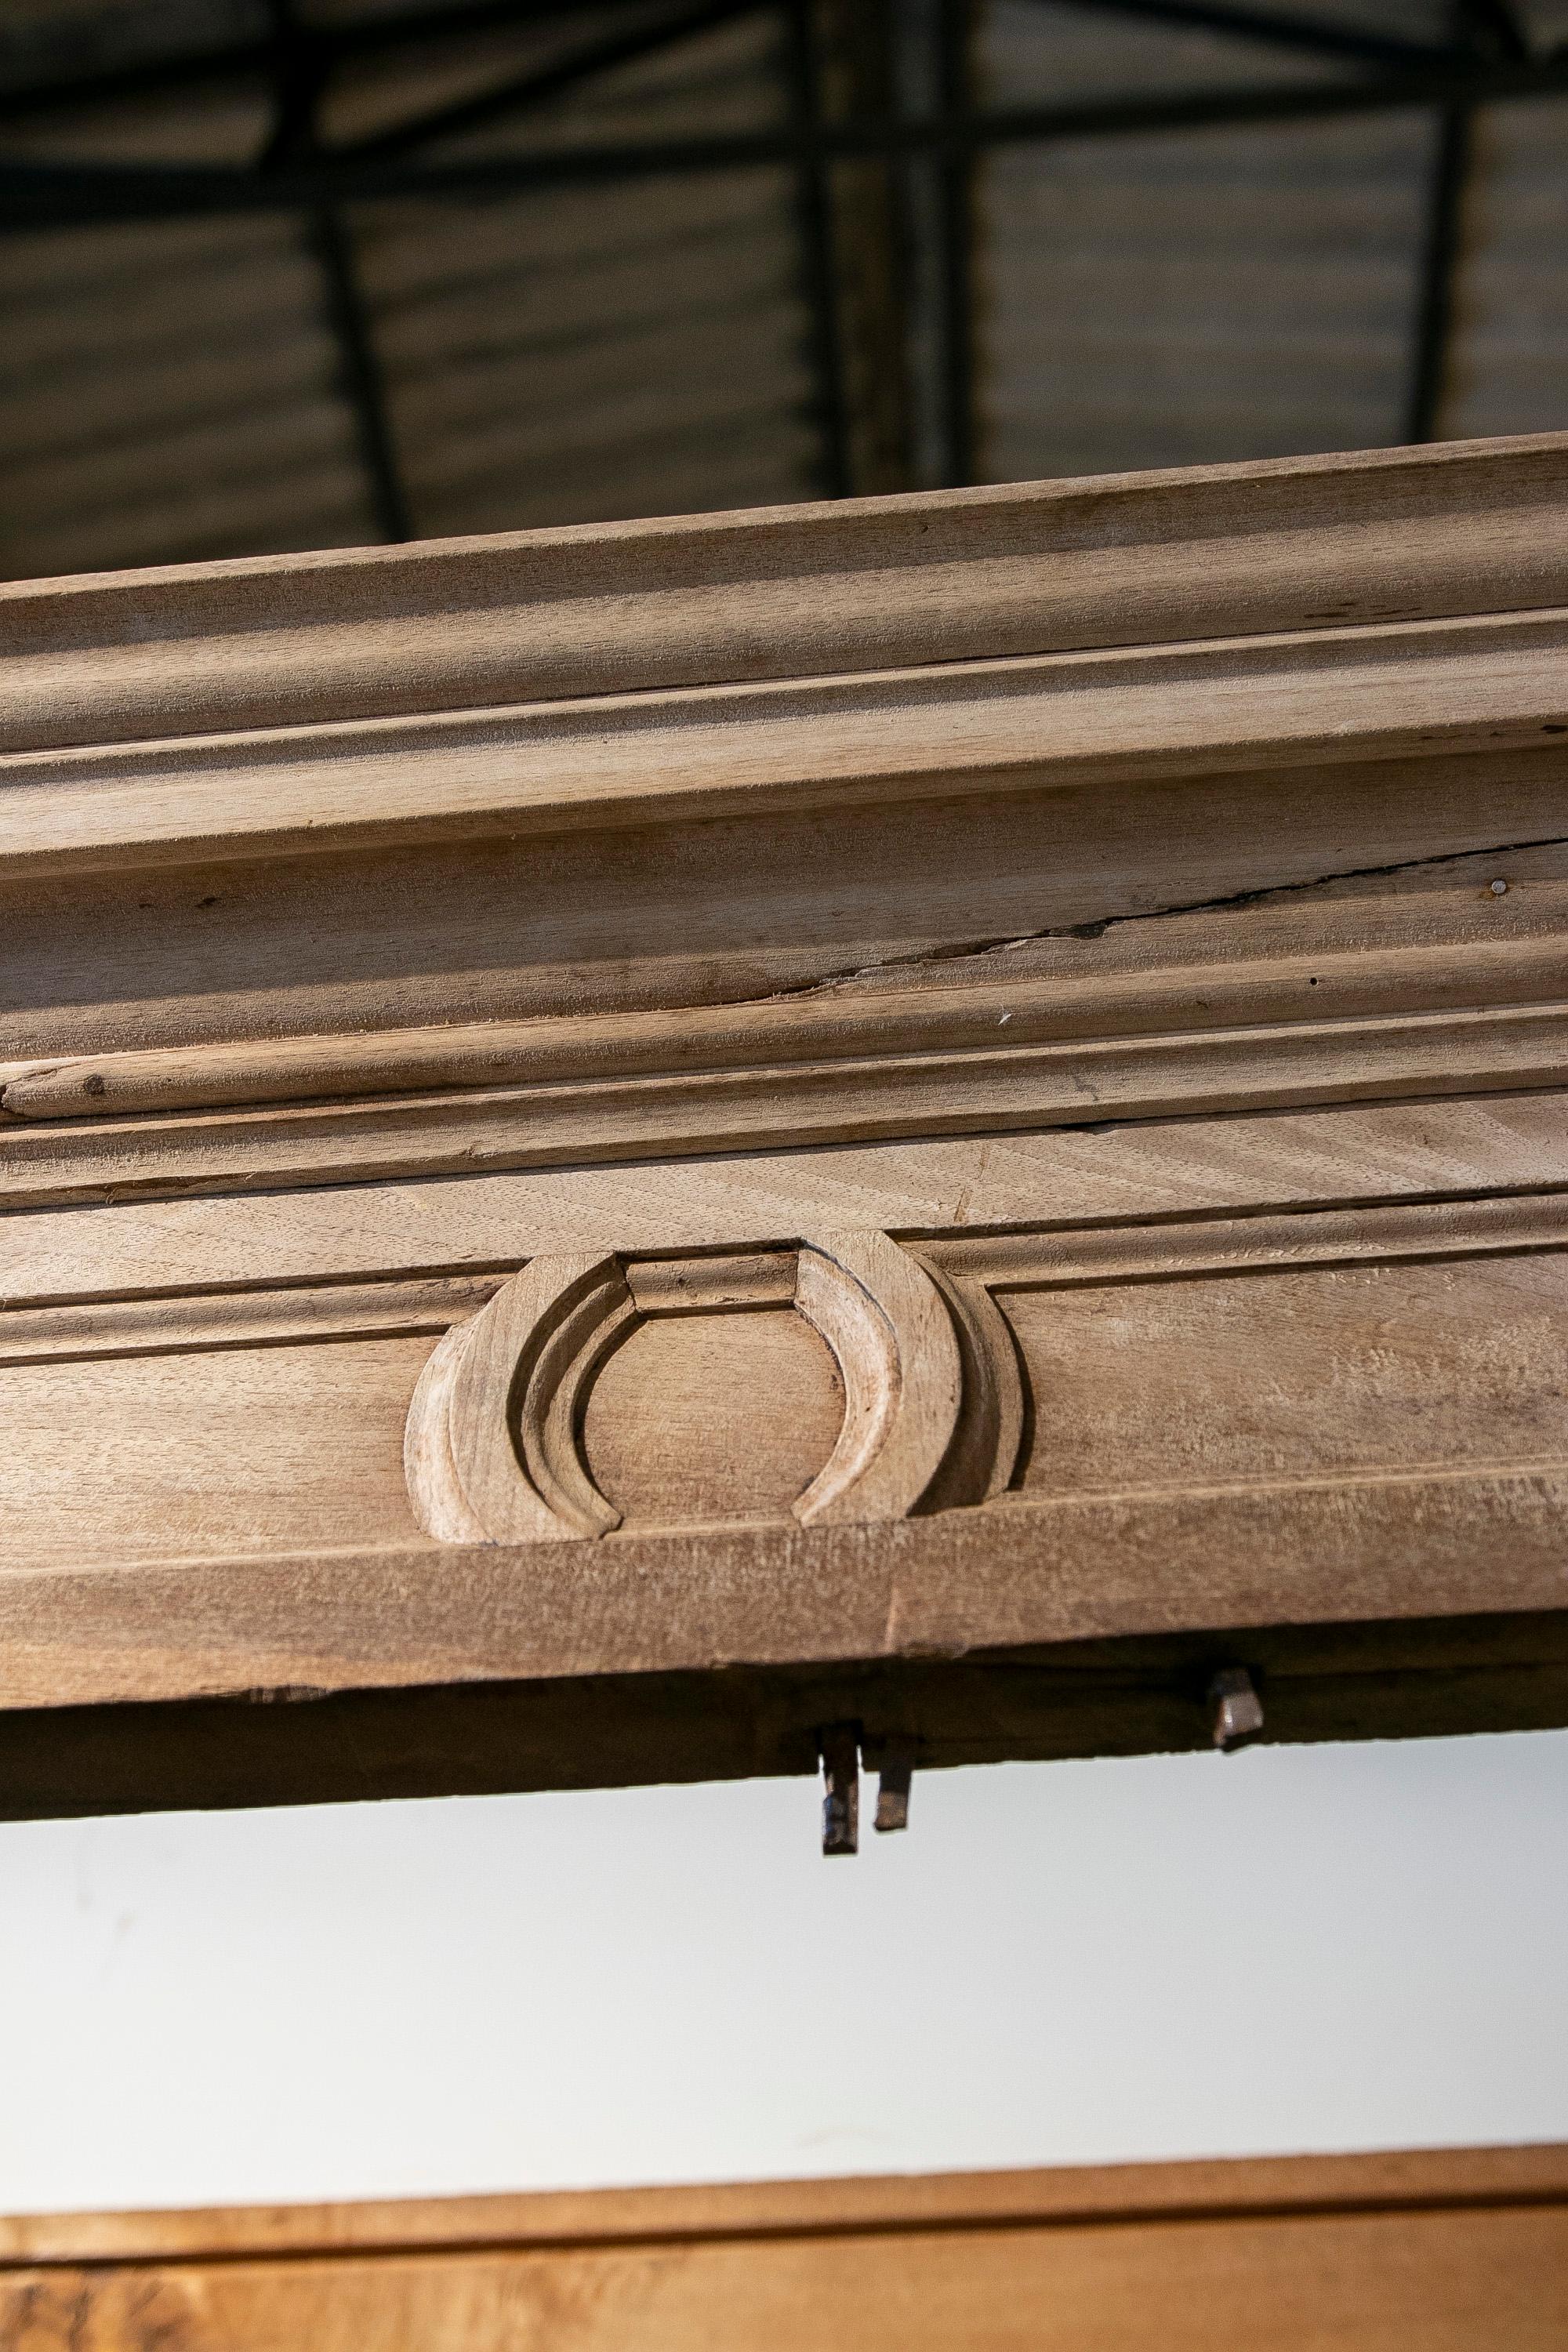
{"x":580,"y":354}
{"x":568,"y":353}
{"x":1181,"y":299}
{"x":1511,"y":352}
{"x":167,"y":394}
{"x":174,"y":392}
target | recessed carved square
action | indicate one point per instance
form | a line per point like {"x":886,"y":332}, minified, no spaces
{"x":712,"y":1417}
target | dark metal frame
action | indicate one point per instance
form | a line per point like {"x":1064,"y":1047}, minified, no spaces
{"x":1487,"y":59}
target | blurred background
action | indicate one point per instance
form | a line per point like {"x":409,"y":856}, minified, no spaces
{"x":282,"y":274}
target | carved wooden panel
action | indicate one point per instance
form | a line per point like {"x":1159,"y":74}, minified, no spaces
{"x":495,"y":1441}
{"x":952,"y":1105}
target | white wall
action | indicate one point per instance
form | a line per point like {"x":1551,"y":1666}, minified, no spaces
{"x":1285,"y":1949}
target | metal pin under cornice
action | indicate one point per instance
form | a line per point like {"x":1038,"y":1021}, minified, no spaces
{"x":1236,"y":1711}
{"x":838,"y":1746}
{"x":898,"y":1767}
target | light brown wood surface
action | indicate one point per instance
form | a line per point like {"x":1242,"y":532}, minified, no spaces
{"x":1024,"y":568}
{"x":1246,"y":707}
{"x":874,"y":1097}
{"x":1329,"y":2254}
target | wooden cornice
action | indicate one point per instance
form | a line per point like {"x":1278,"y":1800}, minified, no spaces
{"x":554,"y":1094}
{"x":653,"y":1136}
{"x":1405,"y":628}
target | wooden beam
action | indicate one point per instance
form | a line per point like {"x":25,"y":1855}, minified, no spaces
{"x":1447,"y":2248}
{"x":829,"y":1107}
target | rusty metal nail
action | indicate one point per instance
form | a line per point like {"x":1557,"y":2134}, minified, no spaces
{"x":893,"y":1786}
{"x":1236,"y":1711}
{"x":840,"y":1746}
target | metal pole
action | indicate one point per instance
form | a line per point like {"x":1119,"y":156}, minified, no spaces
{"x":1435,"y":317}
{"x":815,"y":220}
{"x":300,"y":69}
{"x":955,"y":40}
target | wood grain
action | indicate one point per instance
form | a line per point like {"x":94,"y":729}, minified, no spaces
{"x":1370,"y":2254}
{"x":1416,"y":1151}
{"x":79,"y":1630}
{"x":1247,"y":707}
{"x":861,"y":583}
{"x":1153,"y":1356}
{"x":1507,"y":1050}
{"x":1081,"y":888}
{"x":843,"y":1025}
{"x":696,"y":1378}
{"x":1328,"y":1371}
{"x":134,"y":1457}
{"x":1089,"y":962}
{"x":1456,"y":2179}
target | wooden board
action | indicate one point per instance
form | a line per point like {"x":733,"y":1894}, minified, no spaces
{"x":942,"y":1115}
{"x":1445,"y":2249}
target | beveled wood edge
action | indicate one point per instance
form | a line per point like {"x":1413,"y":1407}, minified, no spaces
{"x":202,"y":1322}
{"x":1000,"y":503}
{"x":80,"y":1163}
{"x":1049,"y":2196}
{"x":929,"y":576}
{"x":1262,"y":1239}
{"x":1007,"y":1576}
{"x":1002,"y":1177}
{"x":1477,"y":686}
{"x":978,"y":1007}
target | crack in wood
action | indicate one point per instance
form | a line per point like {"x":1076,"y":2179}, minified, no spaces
{"x":963,"y":950}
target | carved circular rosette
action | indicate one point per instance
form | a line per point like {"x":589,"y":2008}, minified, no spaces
{"x":493,"y":1447}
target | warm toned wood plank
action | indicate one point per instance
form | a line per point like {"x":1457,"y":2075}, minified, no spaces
{"x":1363,"y":2283}
{"x":1369,"y":2273}
{"x":1049,"y":2196}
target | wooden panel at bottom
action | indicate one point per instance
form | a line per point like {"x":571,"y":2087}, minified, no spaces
{"x":1446,"y":2250}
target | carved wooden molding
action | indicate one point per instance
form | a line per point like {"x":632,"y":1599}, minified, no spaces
{"x":871,"y":1094}
{"x":933,"y":1406}
{"x":905,"y":1077}
{"x":492,"y":1447}
{"x":1334,"y":1001}
{"x":1018,"y":568}
{"x":965,"y":1268}
{"x":1155,"y":714}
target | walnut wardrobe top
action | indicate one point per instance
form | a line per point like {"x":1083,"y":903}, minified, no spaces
{"x":950,"y":1105}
